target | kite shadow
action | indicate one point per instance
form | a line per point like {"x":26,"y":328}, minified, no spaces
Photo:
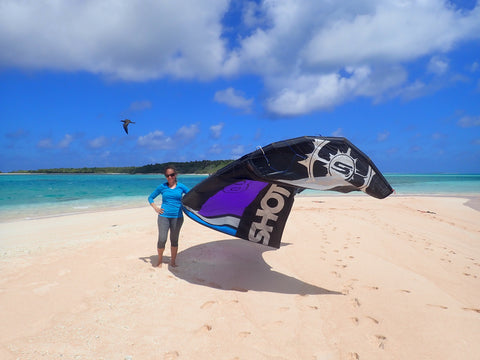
{"x":238,"y":265}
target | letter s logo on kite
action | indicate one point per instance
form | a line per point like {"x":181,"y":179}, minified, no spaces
{"x":260,"y":231}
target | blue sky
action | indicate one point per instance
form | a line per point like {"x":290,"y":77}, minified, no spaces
{"x":215,"y":79}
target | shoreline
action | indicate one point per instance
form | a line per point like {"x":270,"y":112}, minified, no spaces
{"x":472,"y":201}
{"x":354,"y":278}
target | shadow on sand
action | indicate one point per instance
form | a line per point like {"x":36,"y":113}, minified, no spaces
{"x":235,"y":265}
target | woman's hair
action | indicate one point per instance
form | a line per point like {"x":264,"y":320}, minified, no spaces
{"x":171,"y":167}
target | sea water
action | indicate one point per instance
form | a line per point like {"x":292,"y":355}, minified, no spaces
{"x":30,"y":196}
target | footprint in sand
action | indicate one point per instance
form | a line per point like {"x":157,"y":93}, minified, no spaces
{"x":472,"y":309}
{"x":244,"y":334}
{"x":405,"y":291}
{"x":381,"y":341}
{"x":207,"y":304}
{"x":205,"y":328}
{"x":346,"y":289}
{"x":438,"y":306}
{"x":356,"y":302}
{"x":355,"y":320}
{"x":375,"y":321}
{"x":354,"y":356}
{"x":171,"y":355}
{"x":336,"y":274}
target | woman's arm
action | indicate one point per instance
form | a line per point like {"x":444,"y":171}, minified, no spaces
{"x":152,"y":196}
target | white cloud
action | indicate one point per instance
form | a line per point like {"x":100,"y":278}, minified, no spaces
{"x":187,"y":133}
{"x":233,"y":98}
{"x":66,"y":141}
{"x":238,"y":151}
{"x":469,"y":121}
{"x":413,"y":90}
{"x":306,"y":93}
{"x":332,"y":51}
{"x":140,"y":105}
{"x":367,"y":31}
{"x":216,"y":130}
{"x":19,"y":134}
{"x":438,"y":136}
{"x":98,"y":142}
{"x":437,"y":65}
{"x":338,"y":132}
{"x":383,"y":136}
{"x":125,"y":40}
{"x":46,"y":143}
{"x":215,"y":149}
{"x":316,"y":41}
{"x":156,"y":140}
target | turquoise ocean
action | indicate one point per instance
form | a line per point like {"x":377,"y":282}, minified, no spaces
{"x":31,"y":196}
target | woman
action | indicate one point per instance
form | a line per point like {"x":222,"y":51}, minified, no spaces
{"x":170,"y":215}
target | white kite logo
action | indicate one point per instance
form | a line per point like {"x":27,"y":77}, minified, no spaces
{"x":339,"y":165}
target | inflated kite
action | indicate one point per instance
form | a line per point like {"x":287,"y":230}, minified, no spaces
{"x":251,"y":197}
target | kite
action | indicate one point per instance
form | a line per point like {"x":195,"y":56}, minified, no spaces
{"x":126,"y":122}
{"x":251,"y":198}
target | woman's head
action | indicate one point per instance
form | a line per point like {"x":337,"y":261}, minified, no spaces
{"x":170,"y":172}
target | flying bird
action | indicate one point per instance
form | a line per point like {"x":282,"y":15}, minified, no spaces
{"x":125,"y":124}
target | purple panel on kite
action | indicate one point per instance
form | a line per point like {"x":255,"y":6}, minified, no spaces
{"x":233,"y":199}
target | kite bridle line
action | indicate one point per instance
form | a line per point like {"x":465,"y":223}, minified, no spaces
{"x":303,"y":157}
{"x":264,"y":155}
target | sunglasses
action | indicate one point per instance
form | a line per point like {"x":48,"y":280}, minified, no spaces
{"x":170,"y":175}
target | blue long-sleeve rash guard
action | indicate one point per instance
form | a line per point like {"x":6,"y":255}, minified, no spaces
{"x":171,"y":199}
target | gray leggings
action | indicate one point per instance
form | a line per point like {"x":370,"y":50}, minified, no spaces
{"x":165,"y":224}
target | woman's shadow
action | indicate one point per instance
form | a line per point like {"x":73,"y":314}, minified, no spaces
{"x":236,"y":265}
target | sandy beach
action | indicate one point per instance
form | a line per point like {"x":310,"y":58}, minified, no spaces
{"x":356,"y":278}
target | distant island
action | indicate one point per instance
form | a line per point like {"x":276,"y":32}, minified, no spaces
{"x":190,"y":167}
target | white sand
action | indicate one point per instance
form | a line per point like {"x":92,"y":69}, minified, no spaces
{"x":357,"y":278}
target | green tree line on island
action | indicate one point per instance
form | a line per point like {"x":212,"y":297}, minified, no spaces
{"x":190,"y":167}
